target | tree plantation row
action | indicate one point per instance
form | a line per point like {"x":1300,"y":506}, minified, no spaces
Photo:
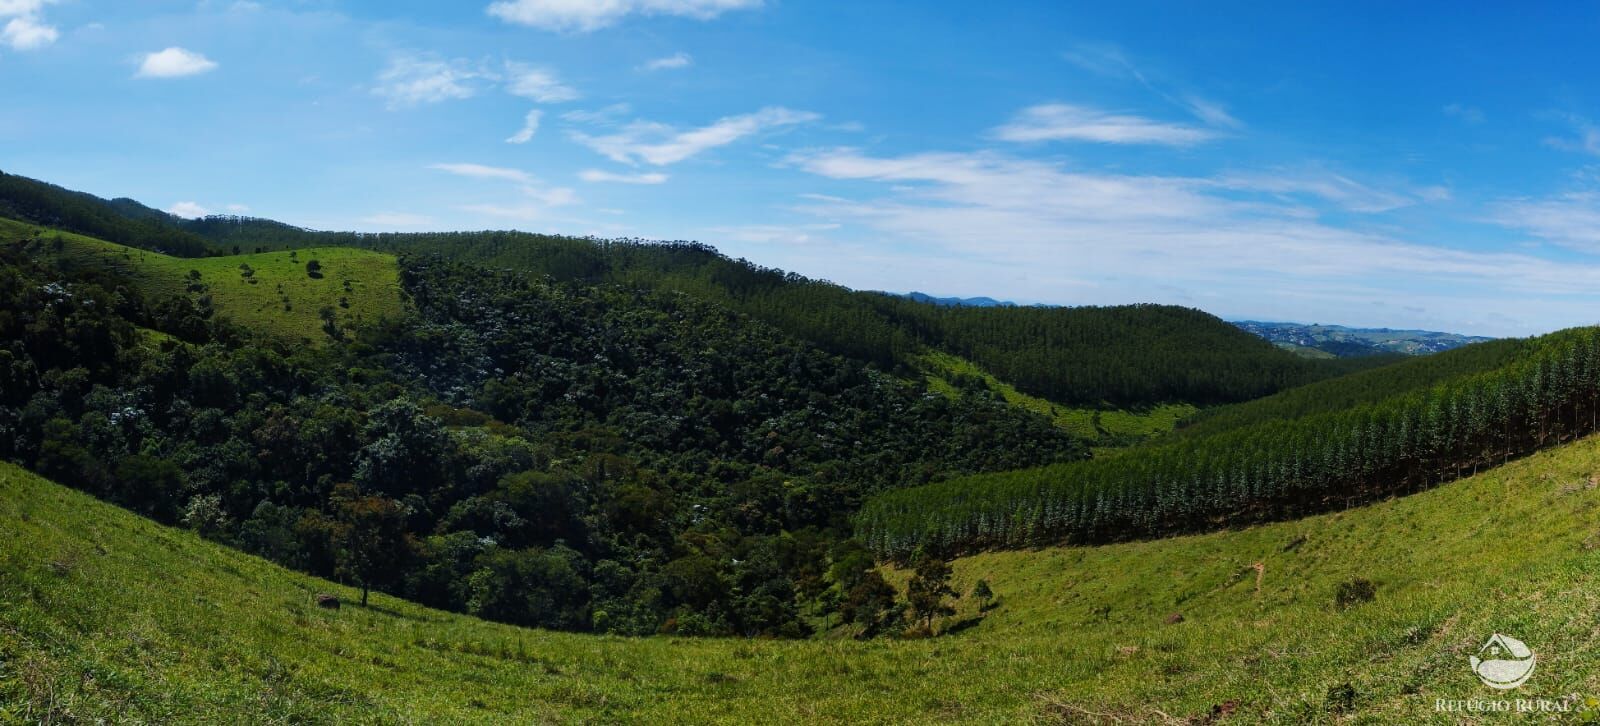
{"x":1262,"y":471}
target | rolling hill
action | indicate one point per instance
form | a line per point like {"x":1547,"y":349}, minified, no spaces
{"x":104,"y":615}
{"x":286,"y":294}
{"x":1131,"y":357}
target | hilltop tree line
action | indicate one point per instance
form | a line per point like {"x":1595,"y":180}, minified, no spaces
{"x":1538,"y":393}
{"x":1127,"y":356}
{"x":583,"y":457}
{"x":1122,"y":356}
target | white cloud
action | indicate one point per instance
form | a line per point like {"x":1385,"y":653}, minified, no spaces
{"x":237,"y":208}
{"x":28,"y":33}
{"x":539,"y":84}
{"x":551,"y":196}
{"x":188,"y":210}
{"x":589,"y":15}
{"x":1346,"y":193}
{"x":1570,"y":220}
{"x":596,"y":176}
{"x":479,"y":171}
{"x":539,"y":202}
{"x":530,"y":126}
{"x":674,"y":61}
{"x":174,"y":62}
{"x":659,"y":144}
{"x":1588,"y":140}
{"x":26,"y":29}
{"x":415,"y":80}
{"x":397,"y":220}
{"x":1211,"y":112}
{"x":22,"y":7}
{"x":773,"y":233}
{"x":600,"y":116}
{"x":1036,"y":228}
{"x":1065,"y":122}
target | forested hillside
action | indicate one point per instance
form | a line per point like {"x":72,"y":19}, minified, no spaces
{"x":1335,"y":445}
{"x":1130,"y":357}
{"x":573,"y":456}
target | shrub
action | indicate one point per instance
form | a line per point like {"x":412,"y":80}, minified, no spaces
{"x":1354,"y":592}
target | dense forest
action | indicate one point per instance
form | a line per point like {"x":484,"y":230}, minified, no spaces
{"x":583,"y":457}
{"x":1112,"y":357}
{"x":1334,"y":445}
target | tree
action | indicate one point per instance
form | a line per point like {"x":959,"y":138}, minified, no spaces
{"x":871,"y":604}
{"x":371,"y":544}
{"x":928,"y":589}
{"x":314,"y":269}
{"x":983,"y":594}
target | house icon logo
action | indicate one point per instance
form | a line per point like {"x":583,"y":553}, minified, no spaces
{"x":1503,"y":663}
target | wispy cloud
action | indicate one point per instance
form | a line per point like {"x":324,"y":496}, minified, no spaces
{"x":537,"y":83}
{"x":174,"y":62}
{"x":671,"y":62}
{"x":1467,"y":114}
{"x":530,"y":126}
{"x":599,"y":116}
{"x":415,"y":80}
{"x":1587,"y":140}
{"x":1099,"y":231}
{"x":660,"y":145}
{"x":1111,"y":62}
{"x":1343,"y":191}
{"x":1571,"y":220}
{"x":1211,"y":112}
{"x":596,"y":176}
{"x":773,"y":233}
{"x":480,"y":171}
{"x":423,"y":78}
{"x":533,"y":198}
{"x":1065,"y":122}
{"x":589,"y":15}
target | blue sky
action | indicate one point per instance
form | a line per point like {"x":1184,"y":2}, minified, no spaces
{"x":1408,"y":165}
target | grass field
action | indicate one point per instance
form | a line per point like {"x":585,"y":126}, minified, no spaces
{"x":104,"y":615}
{"x":1102,"y":427}
{"x":272,"y":292}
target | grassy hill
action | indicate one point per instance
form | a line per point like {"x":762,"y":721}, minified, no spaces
{"x":104,"y":615}
{"x":949,"y":374}
{"x":273,"y":292}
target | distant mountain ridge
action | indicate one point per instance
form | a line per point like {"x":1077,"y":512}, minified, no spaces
{"x":970,"y":302}
{"x":1317,"y":341}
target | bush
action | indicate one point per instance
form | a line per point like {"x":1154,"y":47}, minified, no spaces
{"x":1354,"y":592}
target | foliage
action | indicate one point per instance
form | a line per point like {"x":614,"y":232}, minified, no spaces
{"x":122,"y":221}
{"x":268,"y":293}
{"x":1542,"y":392}
{"x":926,"y":593}
{"x":567,"y":456}
{"x":107,"y":616}
{"x":1125,"y":356}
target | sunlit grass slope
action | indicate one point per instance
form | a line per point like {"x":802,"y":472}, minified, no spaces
{"x":106,"y":615}
{"x":1109,"y":427}
{"x":273,"y":292}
